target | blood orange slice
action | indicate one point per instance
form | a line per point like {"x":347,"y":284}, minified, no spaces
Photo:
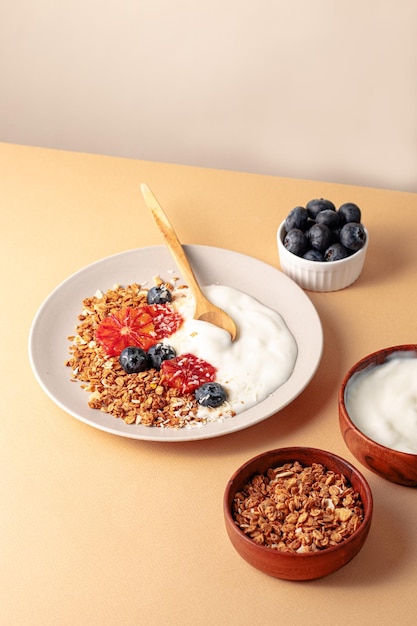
{"x":187,"y":372}
{"x":126,"y":327}
{"x":166,"y":319}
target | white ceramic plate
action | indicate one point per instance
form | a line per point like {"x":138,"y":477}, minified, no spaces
{"x":57,"y":317}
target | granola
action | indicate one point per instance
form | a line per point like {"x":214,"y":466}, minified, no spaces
{"x":140,"y":398}
{"x":296,"y":508}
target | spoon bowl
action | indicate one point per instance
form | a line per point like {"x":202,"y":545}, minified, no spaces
{"x":204,"y":309}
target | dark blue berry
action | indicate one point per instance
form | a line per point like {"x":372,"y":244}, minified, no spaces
{"x":133,"y":360}
{"x":296,"y":218}
{"x":315,"y":206}
{"x":336,"y":252}
{"x":210,"y":394}
{"x":336,"y":234}
{"x":349,"y":212}
{"x":313,"y":255}
{"x":295,"y":241}
{"x":158,"y":353}
{"x":160,"y":294}
{"x":328,"y":217}
{"x":353,"y":236}
{"x":320,"y":237}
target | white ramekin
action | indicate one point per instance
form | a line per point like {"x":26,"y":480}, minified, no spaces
{"x":317,"y":275}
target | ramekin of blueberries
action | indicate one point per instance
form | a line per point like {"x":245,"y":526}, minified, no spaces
{"x":322,"y":247}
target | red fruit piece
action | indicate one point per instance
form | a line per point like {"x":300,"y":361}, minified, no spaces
{"x":187,"y":372}
{"x":126,"y":327}
{"x":166,"y":319}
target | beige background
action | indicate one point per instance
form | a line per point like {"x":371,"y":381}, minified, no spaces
{"x":312,"y":89}
{"x":99,"y":530}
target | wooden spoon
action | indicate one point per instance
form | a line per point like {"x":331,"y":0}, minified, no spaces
{"x":204,"y":310}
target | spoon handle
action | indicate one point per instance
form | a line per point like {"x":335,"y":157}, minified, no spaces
{"x":171,"y":238}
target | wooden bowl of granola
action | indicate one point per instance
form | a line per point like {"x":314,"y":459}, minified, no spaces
{"x":297,"y":513}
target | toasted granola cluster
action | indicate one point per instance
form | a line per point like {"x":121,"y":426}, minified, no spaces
{"x":133,"y":398}
{"x":296,"y":508}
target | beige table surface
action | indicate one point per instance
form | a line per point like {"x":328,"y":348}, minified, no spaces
{"x":100,"y":529}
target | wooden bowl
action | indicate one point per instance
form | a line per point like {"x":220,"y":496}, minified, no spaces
{"x":398,"y":467}
{"x":297,"y":565}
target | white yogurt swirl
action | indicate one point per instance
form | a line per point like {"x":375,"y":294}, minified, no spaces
{"x":261,"y":358}
{"x":382,"y":402}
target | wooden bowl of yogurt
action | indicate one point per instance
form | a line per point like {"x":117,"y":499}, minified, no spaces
{"x":378,"y":413}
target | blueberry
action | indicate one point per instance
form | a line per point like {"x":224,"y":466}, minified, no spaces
{"x":160,"y":294}
{"x":296,"y":218}
{"x":336,"y":234}
{"x":210,"y":394}
{"x":320,"y":237}
{"x":158,"y":353}
{"x":315,"y":206}
{"x":353,"y":236}
{"x":133,"y":360}
{"x":349,"y":212}
{"x":336,"y":252}
{"x":313,"y":255}
{"x":310,"y":223}
{"x":328,"y":217}
{"x":295,"y":241}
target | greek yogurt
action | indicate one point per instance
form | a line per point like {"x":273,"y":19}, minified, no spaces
{"x":261,"y":358}
{"x":382,"y":402}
